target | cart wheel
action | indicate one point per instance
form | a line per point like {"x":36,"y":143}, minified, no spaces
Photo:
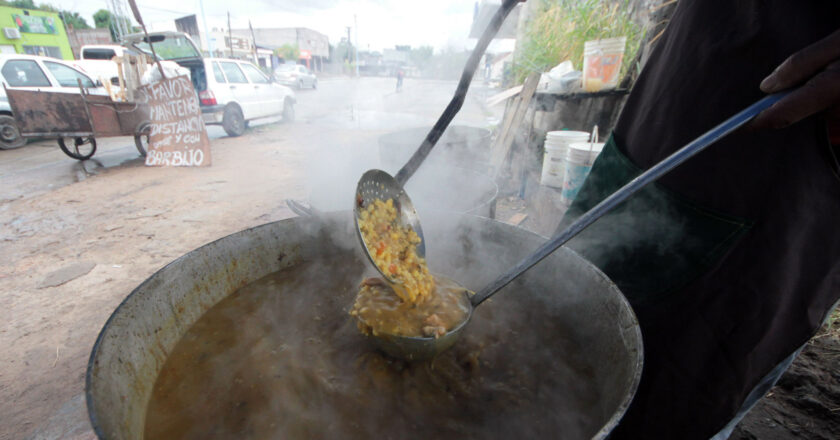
{"x":79,"y":148}
{"x":143,"y":138}
{"x":10,"y":137}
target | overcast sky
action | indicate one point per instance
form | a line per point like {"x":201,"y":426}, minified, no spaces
{"x":382,"y":23}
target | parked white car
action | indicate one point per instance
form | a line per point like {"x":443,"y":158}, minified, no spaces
{"x":295,"y":75}
{"x":231,"y":92}
{"x":237,"y":92}
{"x":32,"y":72}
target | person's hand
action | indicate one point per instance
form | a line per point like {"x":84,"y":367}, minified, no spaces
{"x":816,"y":70}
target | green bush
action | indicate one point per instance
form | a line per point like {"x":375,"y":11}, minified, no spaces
{"x":560,"y":27}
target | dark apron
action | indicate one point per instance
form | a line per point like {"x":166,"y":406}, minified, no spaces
{"x":732,"y":259}
{"x":654,"y":243}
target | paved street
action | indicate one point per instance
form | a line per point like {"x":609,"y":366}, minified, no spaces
{"x":76,"y":238}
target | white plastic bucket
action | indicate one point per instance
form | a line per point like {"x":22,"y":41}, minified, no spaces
{"x":577,"y":164}
{"x":602,"y":63}
{"x":555,"y":145}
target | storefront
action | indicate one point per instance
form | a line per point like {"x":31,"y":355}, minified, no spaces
{"x":33,"y":32}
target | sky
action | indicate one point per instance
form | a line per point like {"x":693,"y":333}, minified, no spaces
{"x":381,"y":23}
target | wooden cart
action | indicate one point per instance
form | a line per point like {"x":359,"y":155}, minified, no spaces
{"x":77,"y":119}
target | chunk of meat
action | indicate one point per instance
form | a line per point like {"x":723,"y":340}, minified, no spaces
{"x":433,"y":326}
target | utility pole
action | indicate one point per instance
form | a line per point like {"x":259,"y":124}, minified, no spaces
{"x":356,"y":46}
{"x":206,"y":32}
{"x":254,"y":42}
{"x":230,"y":37}
{"x":349,"y":44}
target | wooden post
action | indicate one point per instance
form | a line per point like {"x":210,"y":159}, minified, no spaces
{"x":139,"y":19}
{"x":120,"y":78}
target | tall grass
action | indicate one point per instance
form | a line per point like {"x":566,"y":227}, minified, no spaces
{"x":560,"y":27}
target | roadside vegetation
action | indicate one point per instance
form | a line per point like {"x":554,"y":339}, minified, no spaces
{"x":560,"y":27}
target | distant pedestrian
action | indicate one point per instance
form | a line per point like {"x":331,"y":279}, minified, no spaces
{"x":400,"y":76}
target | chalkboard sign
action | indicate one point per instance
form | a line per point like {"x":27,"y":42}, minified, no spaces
{"x":178,"y":136}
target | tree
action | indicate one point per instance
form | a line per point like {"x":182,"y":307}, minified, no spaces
{"x":102,"y":19}
{"x":23,"y":4}
{"x":73,"y":19}
{"x":289,"y":52}
{"x":421,"y":56}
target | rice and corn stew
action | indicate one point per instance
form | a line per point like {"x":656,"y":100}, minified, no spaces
{"x":393,"y":248}
{"x":380,"y":311}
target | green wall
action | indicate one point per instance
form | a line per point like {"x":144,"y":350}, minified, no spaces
{"x":58,"y":39}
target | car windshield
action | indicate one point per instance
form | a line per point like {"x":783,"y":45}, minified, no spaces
{"x":173,"y":47}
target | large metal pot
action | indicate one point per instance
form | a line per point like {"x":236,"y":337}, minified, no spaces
{"x":452,"y":189}
{"x":139,"y":335}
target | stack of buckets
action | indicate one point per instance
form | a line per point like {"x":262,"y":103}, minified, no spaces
{"x":568,"y":159}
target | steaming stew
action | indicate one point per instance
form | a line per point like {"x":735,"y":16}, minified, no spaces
{"x":381,"y":311}
{"x":281,"y":358}
{"x":393,"y":247}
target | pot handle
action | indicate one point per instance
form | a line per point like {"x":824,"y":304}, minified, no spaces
{"x":301,"y":209}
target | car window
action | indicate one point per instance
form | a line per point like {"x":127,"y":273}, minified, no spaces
{"x":233,"y":73}
{"x":24,"y":73}
{"x":286,"y":68}
{"x":98,"y":54}
{"x":254,"y":74}
{"x":301,"y":69}
{"x":67,"y":76}
{"x":217,"y":72}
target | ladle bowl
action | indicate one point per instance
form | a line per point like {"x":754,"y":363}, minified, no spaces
{"x":377,"y":184}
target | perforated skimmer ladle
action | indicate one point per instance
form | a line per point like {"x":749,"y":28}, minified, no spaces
{"x":416,"y":348}
{"x":377,"y":184}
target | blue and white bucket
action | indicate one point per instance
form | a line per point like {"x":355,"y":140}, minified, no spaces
{"x":576,"y":166}
{"x":556,"y":143}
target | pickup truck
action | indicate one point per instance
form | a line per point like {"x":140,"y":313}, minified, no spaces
{"x":95,"y":60}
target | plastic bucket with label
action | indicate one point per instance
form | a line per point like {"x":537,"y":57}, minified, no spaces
{"x":556,"y":143}
{"x":576,"y":166}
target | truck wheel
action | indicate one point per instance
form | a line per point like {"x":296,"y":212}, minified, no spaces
{"x":233,"y":122}
{"x":10,"y":137}
{"x":288,"y":111}
{"x":142,"y":138}
{"x":78,"y":148}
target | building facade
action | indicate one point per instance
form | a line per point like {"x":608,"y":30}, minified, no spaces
{"x":33,"y":32}
{"x":314,"y":46}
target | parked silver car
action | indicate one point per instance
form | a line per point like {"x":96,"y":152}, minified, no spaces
{"x":295,"y":75}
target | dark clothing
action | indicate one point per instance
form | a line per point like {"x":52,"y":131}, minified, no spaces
{"x":731,"y":260}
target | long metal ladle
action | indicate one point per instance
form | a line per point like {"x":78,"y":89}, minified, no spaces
{"x":377,"y":184}
{"x":416,"y":348}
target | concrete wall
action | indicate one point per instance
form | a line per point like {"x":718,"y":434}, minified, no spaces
{"x":82,"y":37}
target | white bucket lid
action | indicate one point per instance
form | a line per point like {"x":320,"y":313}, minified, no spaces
{"x":606,"y":45}
{"x":595,"y":147}
{"x":566,"y":134}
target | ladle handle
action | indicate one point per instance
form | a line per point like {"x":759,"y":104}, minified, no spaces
{"x":627,"y":190}
{"x":460,"y":94}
